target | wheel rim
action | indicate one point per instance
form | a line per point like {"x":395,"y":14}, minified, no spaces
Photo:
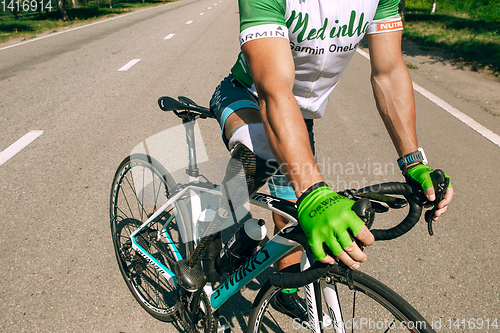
{"x":139,"y":190}
{"x":360,"y":313}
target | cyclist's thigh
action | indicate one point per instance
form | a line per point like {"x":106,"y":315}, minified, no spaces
{"x":233,"y":106}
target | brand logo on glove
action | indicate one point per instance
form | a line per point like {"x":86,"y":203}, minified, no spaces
{"x":325,"y":204}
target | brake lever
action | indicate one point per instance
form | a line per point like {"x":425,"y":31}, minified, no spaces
{"x":440,"y":183}
{"x":364,"y":210}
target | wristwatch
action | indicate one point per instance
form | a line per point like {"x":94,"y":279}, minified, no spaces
{"x":416,"y":156}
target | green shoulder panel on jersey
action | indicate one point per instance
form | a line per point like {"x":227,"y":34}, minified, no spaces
{"x":241,"y":72}
{"x":387,"y":9}
{"x":258,"y":12}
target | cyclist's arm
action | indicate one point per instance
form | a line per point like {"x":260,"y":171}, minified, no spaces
{"x":273,"y":72}
{"x":393,"y":91}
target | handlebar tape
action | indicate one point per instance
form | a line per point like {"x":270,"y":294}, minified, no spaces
{"x":297,"y":280}
{"x":411,"y":218}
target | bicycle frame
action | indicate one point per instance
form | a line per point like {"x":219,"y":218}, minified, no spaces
{"x":267,"y":255}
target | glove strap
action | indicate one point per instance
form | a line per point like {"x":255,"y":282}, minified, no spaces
{"x":416,"y":156}
{"x":309,"y":190}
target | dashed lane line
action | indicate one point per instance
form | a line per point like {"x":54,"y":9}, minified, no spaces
{"x":129,"y":65}
{"x":19,"y":145}
{"x":487,"y":133}
{"x":83,"y":26}
{"x":187,"y":23}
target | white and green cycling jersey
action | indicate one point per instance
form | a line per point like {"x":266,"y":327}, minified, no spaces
{"x":323,"y":36}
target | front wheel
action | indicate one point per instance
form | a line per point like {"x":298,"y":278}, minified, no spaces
{"x":140,"y":187}
{"x":370,"y":306}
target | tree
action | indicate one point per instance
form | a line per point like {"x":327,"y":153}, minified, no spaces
{"x":402,"y":9}
{"x":61,"y":9}
{"x":433,"y":10}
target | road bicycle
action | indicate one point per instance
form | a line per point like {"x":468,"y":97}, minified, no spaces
{"x":155,"y":223}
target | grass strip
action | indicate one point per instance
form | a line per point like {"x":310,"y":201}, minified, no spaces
{"x":475,"y":41}
{"x":30,"y":23}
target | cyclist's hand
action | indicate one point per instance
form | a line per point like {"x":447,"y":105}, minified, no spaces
{"x":325,"y":217}
{"x":421,"y":175}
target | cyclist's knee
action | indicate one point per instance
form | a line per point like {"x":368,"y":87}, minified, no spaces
{"x":245,"y":166}
{"x":279,"y":222}
{"x":239,"y":118}
{"x":253,"y":136}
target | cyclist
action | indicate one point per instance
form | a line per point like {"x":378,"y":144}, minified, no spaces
{"x":293,"y":53}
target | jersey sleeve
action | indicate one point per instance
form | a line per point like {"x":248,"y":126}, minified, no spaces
{"x":262,"y":19}
{"x":386,"y":18}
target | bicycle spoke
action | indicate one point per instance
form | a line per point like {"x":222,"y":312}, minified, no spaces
{"x":137,"y":193}
{"x":126,"y":199}
{"x":353,"y":308}
{"x":389,"y":327}
{"x":140,"y":205}
{"x":275,"y":322}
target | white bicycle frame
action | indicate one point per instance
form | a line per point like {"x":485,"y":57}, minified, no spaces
{"x":194,"y":190}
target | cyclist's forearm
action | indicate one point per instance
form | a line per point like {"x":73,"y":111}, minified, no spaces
{"x":289,"y":141}
{"x":393,"y":90}
{"x":395,"y":102}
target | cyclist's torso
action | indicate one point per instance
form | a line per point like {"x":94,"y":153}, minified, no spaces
{"x":323,"y":36}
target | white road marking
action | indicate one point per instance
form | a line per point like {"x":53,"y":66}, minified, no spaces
{"x":129,"y":65}
{"x":19,"y":145}
{"x":169,"y":36}
{"x":189,"y":22}
{"x":487,"y":133}
{"x":363,"y":53}
{"x":81,"y":27}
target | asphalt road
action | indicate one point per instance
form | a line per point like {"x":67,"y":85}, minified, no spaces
{"x":58,"y":268}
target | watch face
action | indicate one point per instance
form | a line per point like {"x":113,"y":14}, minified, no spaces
{"x":422,"y":154}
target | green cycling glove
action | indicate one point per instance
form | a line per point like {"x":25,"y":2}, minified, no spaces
{"x":325,"y":217}
{"x":420,"y":175}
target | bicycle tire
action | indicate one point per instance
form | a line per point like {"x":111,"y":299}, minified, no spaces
{"x":264,"y":319}
{"x":140,"y":186}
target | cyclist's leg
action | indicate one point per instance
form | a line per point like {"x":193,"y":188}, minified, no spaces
{"x":287,"y":301}
{"x":237,"y":112}
{"x":235,"y":108}
{"x":279,"y":187}
{"x":244,"y":135}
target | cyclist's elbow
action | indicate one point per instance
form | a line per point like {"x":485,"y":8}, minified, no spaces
{"x":272,"y":88}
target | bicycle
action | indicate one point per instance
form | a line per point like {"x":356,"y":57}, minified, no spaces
{"x":154,"y":226}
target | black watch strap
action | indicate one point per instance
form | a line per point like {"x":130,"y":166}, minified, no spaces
{"x":309,"y":190}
